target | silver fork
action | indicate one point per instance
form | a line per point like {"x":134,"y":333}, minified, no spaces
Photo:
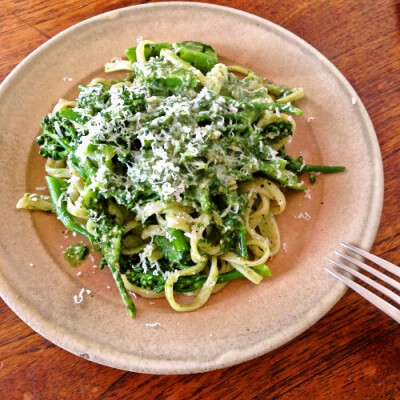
{"x":377,"y":301}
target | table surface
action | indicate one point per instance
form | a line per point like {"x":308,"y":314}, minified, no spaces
{"x":353,"y":351}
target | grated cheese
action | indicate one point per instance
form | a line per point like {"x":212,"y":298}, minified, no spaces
{"x":78,"y":299}
{"x":153,"y":324}
{"x":306,"y":216}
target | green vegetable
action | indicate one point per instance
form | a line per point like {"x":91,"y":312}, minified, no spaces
{"x":296,"y":165}
{"x":186,"y":284}
{"x":75,"y":254}
{"x":57,"y":188}
{"x":282,"y":175}
{"x":190,"y":284}
{"x":286,"y":108}
{"x":109,"y":235}
{"x":197,"y":54}
{"x":175,"y":247}
{"x":150,"y":50}
{"x":130,"y":306}
{"x":173,"y":80}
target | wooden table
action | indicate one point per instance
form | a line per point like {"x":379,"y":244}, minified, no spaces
{"x":354,"y":351}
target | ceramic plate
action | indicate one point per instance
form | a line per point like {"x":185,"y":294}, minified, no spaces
{"x":244,"y":320}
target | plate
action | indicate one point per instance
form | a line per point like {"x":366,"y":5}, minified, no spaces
{"x":243,"y":321}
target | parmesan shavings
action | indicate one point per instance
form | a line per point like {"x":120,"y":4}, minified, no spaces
{"x":306,"y":216}
{"x":78,"y":299}
{"x":153,"y":324}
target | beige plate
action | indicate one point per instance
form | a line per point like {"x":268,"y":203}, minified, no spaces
{"x":244,"y":320}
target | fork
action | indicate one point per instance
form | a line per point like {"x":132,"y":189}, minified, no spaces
{"x":377,"y":301}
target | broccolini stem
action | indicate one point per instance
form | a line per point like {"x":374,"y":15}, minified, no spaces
{"x":85,"y":169}
{"x":296,"y":166}
{"x":283,"y":176}
{"x":325,"y":169}
{"x":122,"y":291}
{"x":175,"y":248}
{"x":179,"y":242}
{"x":57,"y":187}
{"x":190,"y":284}
{"x":62,"y":142}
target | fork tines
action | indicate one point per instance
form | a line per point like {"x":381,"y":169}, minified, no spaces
{"x":383,"y":305}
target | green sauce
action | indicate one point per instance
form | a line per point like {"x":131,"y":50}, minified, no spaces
{"x":75,"y":254}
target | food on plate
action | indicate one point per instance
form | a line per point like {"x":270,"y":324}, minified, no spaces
{"x":175,"y":172}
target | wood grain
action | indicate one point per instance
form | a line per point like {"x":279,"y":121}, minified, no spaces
{"x":354,"y":351}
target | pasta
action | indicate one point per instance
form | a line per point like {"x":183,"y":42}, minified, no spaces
{"x":174,"y":172}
